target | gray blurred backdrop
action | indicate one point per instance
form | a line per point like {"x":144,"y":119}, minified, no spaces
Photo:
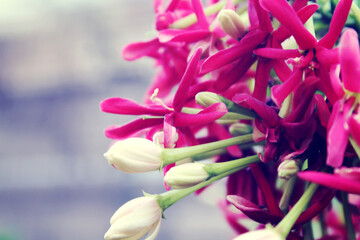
{"x":58,"y":60}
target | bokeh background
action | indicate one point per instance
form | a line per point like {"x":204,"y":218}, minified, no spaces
{"x":58,"y":60}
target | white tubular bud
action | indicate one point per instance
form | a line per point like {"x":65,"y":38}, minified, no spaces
{"x":238,"y":129}
{"x":134,"y":219}
{"x":186,"y":175}
{"x":135,"y":155}
{"x":231,"y":23}
{"x":206,"y":99}
{"x":288,"y":168}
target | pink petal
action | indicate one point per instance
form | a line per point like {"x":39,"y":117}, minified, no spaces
{"x":304,"y":14}
{"x":264,"y":18}
{"x":247,"y":44}
{"x":261,"y":79}
{"x":252,"y":210}
{"x":322,"y":109}
{"x":234,"y":73}
{"x":332,"y":181}
{"x":277,"y":53}
{"x":281,"y":69}
{"x":206,"y":116}
{"x":287,"y":16}
{"x":180,"y":35}
{"x":266,"y":113}
{"x":338,"y":134}
{"x":131,"y":128}
{"x":350,"y":60}
{"x":200,"y":14}
{"x":337,"y":24}
{"x":137,"y":50}
{"x":281,"y":91}
{"x":186,"y":81}
{"x":335,"y":80}
{"x":327,"y":56}
{"x":129,"y":107}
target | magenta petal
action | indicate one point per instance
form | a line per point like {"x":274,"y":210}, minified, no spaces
{"x":322,"y":109}
{"x":206,"y":116}
{"x":337,"y":135}
{"x":234,"y":73}
{"x":337,"y":23}
{"x":350,"y":60}
{"x":266,"y":113}
{"x":281,"y":69}
{"x":262,"y":76}
{"x":287,"y":16}
{"x":137,"y":50}
{"x":332,"y":181}
{"x":200,"y":14}
{"x":304,"y":14}
{"x":281,"y":91}
{"x":131,"y":128}
{"x":186,"y":81}
{"x":327,"y":56}
{"x":264,"y":18}
{"x":253,"y":211}
{"x":180,"y":35}
{"x":247,"y":44}
{"x":129,"y":107}
{"x":277,"y":53}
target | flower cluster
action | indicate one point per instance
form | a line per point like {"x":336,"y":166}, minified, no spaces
{"x":268,"y":92}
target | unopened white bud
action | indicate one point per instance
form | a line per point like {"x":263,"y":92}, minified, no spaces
{"x":268,"y":234}
{"x":288,"y":168}
{"x":135,"y":155}
{"x":206,"y":99}
{"x":134,"y":219}
{"x":231,"y":23}
{"x":186,"y":175}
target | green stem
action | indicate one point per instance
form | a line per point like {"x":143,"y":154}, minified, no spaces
{"x":285,"y":198}
{"x":171,"y":155}
{"x":167,"y":199}
{"x":289,"y":220}
{"x":355,"y":146}
{"x":219,"y":168}
{"x":347,"y":216}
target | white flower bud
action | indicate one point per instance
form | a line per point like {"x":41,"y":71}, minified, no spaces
{"x":186,"y":175}
{"x":238,"y":129}
{"x":231,"y":23}
{"x":287,"y":169}
{"x":135,"y":155}
{"x":206,"y":99}
{"x":134,"y":219}
{"x":263,"y":234}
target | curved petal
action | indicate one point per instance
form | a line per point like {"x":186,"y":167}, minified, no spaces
{"x":332,"y":181}
{"x":186,"y":81}
{"x":181,"y":35}
{"x":129,"y":107}
{"x":337,"y":24}
{"x":350,"y":60}
{"x":287,"y":16}
{"x":137,"y":50}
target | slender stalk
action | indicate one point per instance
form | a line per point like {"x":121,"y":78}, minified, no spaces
{"x":219,"y":168}
{"x":289,"y":220}
{"x":167,"y":199}
{"x":171,"y":155}
{"x":285,"y":198}
{"x":347,"y":216}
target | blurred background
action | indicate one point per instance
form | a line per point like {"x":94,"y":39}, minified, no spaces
{"x":58,"y":60}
